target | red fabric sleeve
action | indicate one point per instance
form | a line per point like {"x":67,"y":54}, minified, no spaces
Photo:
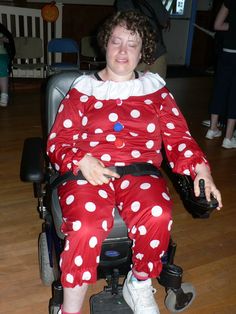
{"x":62,"y":146}
{"x":182,"y":151}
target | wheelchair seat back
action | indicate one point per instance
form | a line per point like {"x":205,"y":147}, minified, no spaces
{"x":57,"y":87}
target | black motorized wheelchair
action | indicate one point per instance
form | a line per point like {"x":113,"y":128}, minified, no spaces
{"x":115,"y":257}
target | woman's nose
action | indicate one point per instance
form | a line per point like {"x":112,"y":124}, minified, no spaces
{"x":123,"y":48}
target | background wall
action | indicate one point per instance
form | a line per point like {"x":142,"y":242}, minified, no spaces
{"x":203,"y":49}
{"x":84,"y":19}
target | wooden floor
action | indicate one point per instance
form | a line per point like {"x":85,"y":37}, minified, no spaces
{"x":206,"y":248}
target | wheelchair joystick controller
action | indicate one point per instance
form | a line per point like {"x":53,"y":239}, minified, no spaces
{"x":202,"y":188}
{"x":199,"y":207}
{"x":213,"y":203}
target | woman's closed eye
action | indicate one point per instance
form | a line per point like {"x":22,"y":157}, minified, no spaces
{"x":116,"y":41}
{"x":132,"y":45}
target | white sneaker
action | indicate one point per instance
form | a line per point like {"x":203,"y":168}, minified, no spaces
{"x":139,"y":296}
{"x":227,"y":143}
{"x":3,"y":104}
{"x":212,"y":134}
{"x":4,"y":100}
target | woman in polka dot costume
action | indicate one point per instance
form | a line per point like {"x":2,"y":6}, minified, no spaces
{"x":114,"y":118}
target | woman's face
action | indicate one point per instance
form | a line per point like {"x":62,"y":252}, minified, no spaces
{"x":123,"y":51}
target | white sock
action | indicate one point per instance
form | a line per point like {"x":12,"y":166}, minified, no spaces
{"x":133,"y":278}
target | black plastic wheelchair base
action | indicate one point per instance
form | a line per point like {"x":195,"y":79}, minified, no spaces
{"x":110,"y":300}
{"x":106,"y":302}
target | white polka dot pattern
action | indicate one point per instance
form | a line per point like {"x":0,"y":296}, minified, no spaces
{"x":86,"y":276}
{"x":98,"y":105}
{"x":135,"y":206}
{"x":154,"y":243}
{"x":90,"y":206}
{"x":113,"y":117}
{"x":67,"y":123}
{"x":103,"y":193}
{"x":150,"y":266}
{"x":70,"y":278}
{"x":145,"y":186}
{"x":106,"y":157}
{"x":93,"y":242}
{"x":70,"y":199}
{"x":139,"y":256}
{"x":67,"y":245}
{"x":104,"y":225}
{"x":78,"y":261}
{"x":142,"y":230}
{"x":157,"y":211}
{"x":135,"y":113}
{"x":124,"y":184}
{"x":76,"y":225}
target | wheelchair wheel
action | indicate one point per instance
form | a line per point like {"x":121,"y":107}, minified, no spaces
{"x":171,"y":298}
{"x":46,"y":271}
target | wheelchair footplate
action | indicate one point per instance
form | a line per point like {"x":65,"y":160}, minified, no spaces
{"x":106,"y":302}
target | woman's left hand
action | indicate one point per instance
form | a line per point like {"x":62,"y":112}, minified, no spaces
{"x":203,"y":172}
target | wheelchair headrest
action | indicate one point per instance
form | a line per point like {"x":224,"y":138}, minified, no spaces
{"x":57,"y":87}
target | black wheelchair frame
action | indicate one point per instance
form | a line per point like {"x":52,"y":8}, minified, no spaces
{"x":115,"y":256}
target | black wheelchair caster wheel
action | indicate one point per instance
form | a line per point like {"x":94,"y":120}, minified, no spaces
{"x":179,"y":300}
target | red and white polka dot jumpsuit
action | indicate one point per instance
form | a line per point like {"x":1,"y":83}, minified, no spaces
{"x":119,"y":123}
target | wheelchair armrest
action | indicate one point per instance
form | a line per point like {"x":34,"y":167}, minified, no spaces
{"x":32,"y":161}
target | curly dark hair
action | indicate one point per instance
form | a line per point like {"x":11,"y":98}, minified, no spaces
{"x":136,"y":23}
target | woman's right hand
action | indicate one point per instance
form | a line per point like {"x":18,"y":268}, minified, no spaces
{"x":95,"y":172}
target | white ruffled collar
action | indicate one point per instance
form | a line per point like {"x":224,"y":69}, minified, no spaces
{"x":146,"y":84}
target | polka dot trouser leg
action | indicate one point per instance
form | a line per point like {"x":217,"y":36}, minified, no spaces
{"x":87,"y":219}
{"x":145,"y":206}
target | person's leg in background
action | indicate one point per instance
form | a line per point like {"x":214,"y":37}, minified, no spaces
{"x":218,"y":46}
{"x":159,"y":66}
{"x":4,"y":80}
{"x":221,"y":90}
{"x":230,"y":140}
{"x":230,"y":128}
{"x":224,"y":100}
